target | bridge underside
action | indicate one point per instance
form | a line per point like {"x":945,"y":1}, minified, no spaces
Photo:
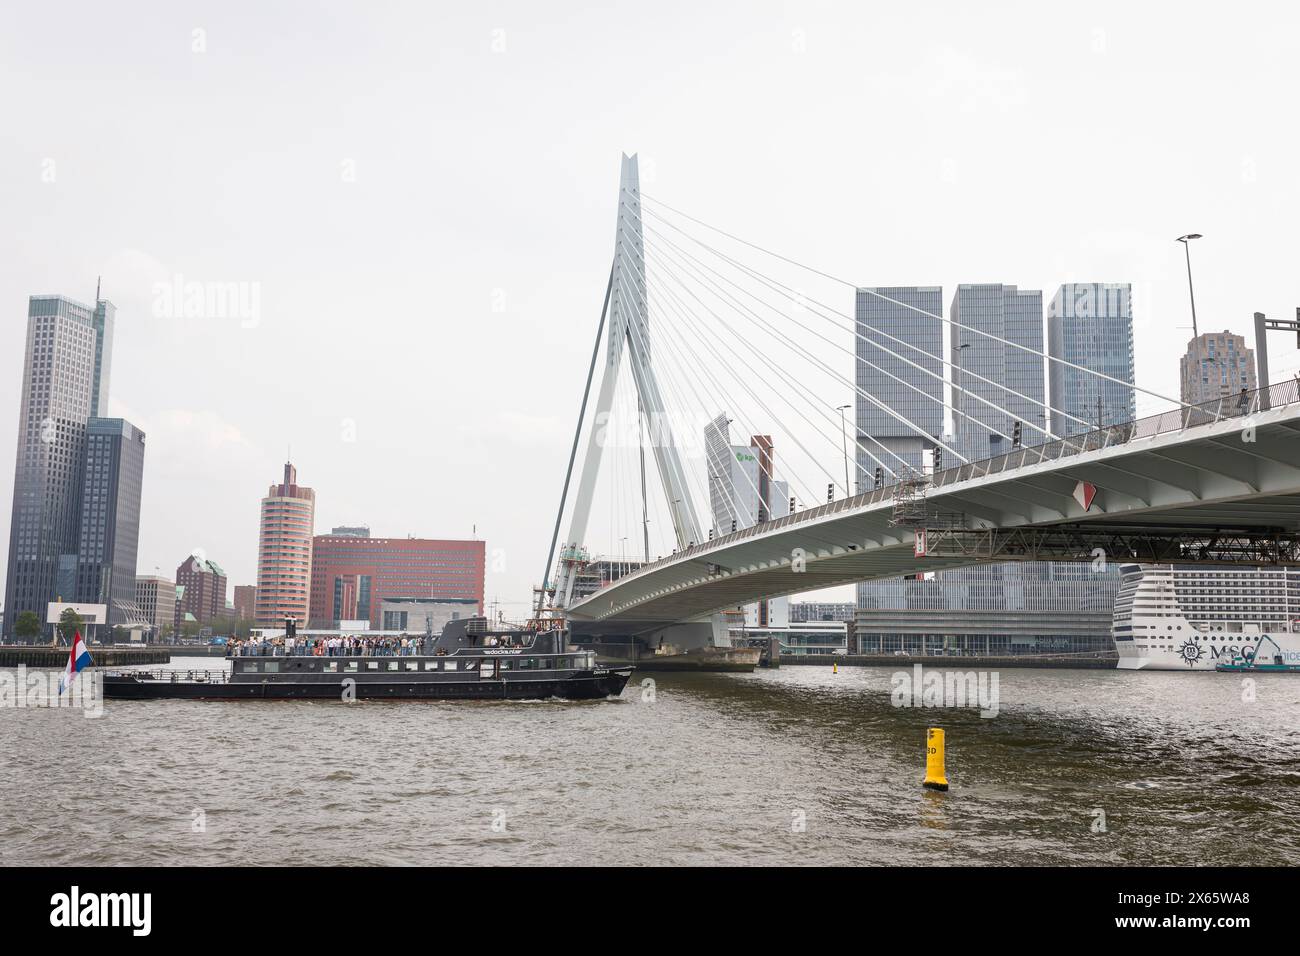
{"x":1194,"y":483}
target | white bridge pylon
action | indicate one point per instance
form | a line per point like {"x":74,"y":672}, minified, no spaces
{"x":629,"y":328}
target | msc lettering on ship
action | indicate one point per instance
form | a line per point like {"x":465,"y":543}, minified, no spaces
{"x":102,"y":909}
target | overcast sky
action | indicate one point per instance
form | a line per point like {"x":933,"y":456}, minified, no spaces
{"x":422,"y":197}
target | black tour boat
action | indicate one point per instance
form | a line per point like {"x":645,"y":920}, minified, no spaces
{"x":467,"y":662}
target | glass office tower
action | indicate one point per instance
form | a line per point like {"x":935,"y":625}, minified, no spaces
{"x":1090,"y":324}
{"x":907,"y":322}
{"x":56,"y":402}
{"x":110,"y":519}
{"x":1010,"y":608}
{"x":984,"y":363}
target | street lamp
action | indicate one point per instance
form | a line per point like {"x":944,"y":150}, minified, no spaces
{"x":844,"y":440}
{"x":1187,"y":249}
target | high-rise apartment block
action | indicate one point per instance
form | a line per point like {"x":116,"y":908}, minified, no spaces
{"x":1216,"y":365}
{"x":284,"y":551}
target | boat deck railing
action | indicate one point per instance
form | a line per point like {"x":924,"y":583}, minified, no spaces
{"x":174,"y":676}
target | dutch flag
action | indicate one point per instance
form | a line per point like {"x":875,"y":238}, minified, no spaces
{"x":78,"y":660}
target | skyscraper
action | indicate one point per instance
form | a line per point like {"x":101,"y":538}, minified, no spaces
{"x":1007,"y":315}
{"x":1090,"y":324}
{"x":103,"y":319}
{"x":995,"y":608}
{"x":906,"y":321}
{"x":1217,"y":365}
{"x":284,"y":551}
{"x":67,"y":342}
{"x":743,"y":493}
{"x":110,"y":518}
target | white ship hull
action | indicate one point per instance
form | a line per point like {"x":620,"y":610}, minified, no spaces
{"x":1185,"y":618}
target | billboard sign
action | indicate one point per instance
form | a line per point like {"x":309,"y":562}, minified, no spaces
{"x":89,"y":613}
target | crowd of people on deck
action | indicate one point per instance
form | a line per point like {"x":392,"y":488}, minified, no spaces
{"x":350,"y":645}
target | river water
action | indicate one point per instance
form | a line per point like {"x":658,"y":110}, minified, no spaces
{"x":794,"y":766}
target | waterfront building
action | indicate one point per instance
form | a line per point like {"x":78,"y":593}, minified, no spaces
{"x":907,"y":322}
{"x":351,"y":576}
{"x":200,"y":591}
{"x":110,"y":519}
{"x":1216,"y":365}
{"x":1014,"y":607}
{"x":245,"y":602}
{"x":66,"y":357}
{"x":743,"y":493}
{"x":1011,"y":608}
{"x":284,"y":551}
{"x":156,"y":598}
{"x":1090,"y":324}
{"x":804,"y":612}
{"x":1008,"y":379}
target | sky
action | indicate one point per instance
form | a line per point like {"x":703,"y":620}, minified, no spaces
{"x":417,"y":204}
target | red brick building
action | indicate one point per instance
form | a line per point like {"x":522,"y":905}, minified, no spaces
{"x":245,"y":601}
{"x":352,"y":575}
{"x":204,"y":590}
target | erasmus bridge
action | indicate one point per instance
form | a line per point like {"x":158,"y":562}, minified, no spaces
{"x":709,"y":337}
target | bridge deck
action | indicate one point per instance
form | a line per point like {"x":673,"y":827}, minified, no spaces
{"x":1234,"y":463}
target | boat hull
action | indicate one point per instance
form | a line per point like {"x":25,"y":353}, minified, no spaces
{"x":584,"y":686}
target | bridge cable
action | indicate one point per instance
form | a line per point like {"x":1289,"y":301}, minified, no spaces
{"x":799,"y":299}
{"x":906,"y":305}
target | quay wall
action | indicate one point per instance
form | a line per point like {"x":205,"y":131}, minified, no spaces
{"x":1085,"y":662}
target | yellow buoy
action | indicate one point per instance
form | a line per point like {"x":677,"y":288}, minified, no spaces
{"x":934,"y":770}
{"x":835,"y":667}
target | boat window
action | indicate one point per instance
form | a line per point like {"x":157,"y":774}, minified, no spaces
{"x":249,"y":666}
{"x":394,"y":665}
{"x":412,"y":665}
{"x":272,"y":666}
{"x":372,"y":665}
{"x":331,"y":666}
{"x":350,"y":667}
{"x":469,"y":665}
{"x":505,"y":665}
{"x":449,"y":665}
{"x":430,"y":665}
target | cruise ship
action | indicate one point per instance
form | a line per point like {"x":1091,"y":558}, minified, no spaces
{"x":1192,"y":617}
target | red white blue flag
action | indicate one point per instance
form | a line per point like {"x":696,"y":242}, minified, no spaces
{"x":78,"y":660}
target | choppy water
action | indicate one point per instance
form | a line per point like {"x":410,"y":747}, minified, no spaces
{"x":716,"y":769}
